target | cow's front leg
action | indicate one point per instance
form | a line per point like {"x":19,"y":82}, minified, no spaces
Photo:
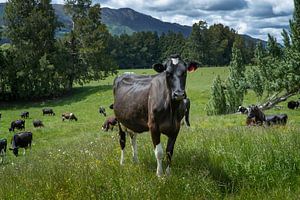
{"x":169,"y":151}
{"x":158,"y":151}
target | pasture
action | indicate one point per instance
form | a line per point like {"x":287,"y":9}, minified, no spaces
{"x":218,"y":157}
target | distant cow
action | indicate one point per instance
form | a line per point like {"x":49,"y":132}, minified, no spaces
{"x":293,"y":104}
{"x":69,"y":116}
{"x":109,"y":123}
{"x":48,"y":111}
{"x":0,"y":115}
{"x":21,"y":140}
{"x":24,"y":114}
{"x":242,"y":110}
{"x":37,"y":123}
{"x":260,"y":118}
{"x":102,"y":111}
{"x":3,"y":146}
{"x":18,"y":124}
{"x":152,"y":103}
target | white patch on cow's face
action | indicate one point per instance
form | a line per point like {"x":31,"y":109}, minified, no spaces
{"x":122,"y":157}
{"x":175,"y":61}
{"x":159,"y":156}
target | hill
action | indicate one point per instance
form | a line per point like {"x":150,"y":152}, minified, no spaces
{"x":126,"y":20}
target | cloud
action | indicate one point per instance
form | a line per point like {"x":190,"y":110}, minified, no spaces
{"x":256,"y":18}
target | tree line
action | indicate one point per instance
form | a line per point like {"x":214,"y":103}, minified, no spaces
{"x":37,"y":64}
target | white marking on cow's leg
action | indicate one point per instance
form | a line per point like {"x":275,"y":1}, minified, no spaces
{"x":24,"y":151}
{"x":134,"y":147}
{"x":122,"y":157}
{"x":159,"y":156}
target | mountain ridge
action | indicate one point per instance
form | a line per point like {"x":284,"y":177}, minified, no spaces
{"x":125,"y":20}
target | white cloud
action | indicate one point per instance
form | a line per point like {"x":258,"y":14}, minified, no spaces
{"x":252,"y":17}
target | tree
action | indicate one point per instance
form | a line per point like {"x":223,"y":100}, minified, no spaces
{"x":236,"y":85}
{"x":281,"y":74}
{"x":87,"y":44}
{"x":31,"y":26}
{"x":196,"y":45}
{"x":217,"y":102}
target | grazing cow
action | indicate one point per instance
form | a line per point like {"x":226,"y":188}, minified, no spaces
{"x":21,"y":140}
{"x":109,"y":123}
{"x":24,"y":114}
{"x":37,"y":123}
{"x":69,"y":116}
{"x":102,"y":111}
{"x":0,"y":115}
{"x":48,"y":111}
{"x":152,"y":102}
{"x":3,"y":146}
{"x":293,"y":104}
{"x":18,"y":124}
{"x":242,"y":110}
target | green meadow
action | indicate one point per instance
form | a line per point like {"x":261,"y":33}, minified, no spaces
{"x":218,"y":157}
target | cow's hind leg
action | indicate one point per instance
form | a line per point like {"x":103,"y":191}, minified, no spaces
{"x":169,"y":151}
{"x":134,"y":146}
{"x":122,"y":141}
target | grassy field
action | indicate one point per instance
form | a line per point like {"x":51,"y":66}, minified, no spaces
{"x":217,"y":158}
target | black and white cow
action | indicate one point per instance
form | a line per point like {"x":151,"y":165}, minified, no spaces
{"x":102,"y":111}
{"x":21,"y":140}
{"x":3,"y":146}
{"x":242,"y":110}
{"x":152,"y":103}
{"x":24,"y":114}
{"x":48,"y":111}
{"x":18,"y":124}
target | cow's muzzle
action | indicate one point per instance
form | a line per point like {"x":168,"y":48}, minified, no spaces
{"x":178,"y":96}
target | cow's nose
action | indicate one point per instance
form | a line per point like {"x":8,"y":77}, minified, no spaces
{"x":178,"y":95}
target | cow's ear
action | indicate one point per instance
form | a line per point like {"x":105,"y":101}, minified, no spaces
{"x":158,"y":67}
{"x":192,"y":66}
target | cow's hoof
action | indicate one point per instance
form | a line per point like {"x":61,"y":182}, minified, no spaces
{"x":168,"y":171}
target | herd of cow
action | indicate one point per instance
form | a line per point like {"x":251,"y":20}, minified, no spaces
{"x":155,"y":103}
{"x":24,"y":139}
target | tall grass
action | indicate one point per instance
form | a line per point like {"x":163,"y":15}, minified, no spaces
{"x":218,"y":157}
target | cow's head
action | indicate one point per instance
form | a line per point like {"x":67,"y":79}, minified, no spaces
{"x":175,"y":70}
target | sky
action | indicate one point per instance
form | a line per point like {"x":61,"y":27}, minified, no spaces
{"x":256,"y":18}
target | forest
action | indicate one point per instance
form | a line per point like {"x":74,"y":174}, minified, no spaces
{"x":38,"y":64}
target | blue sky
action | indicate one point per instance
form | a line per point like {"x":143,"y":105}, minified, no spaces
{"x":256,"y":18}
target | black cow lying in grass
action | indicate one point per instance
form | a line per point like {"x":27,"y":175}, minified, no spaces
{"x":109,"y":123}
{"x":18,"y":124}
{"x":259,"y":118}
{"x":293,"y":104}
{"x":37,"y":123}
{"x":24,"y":114}
{"x":3,"y":146}
{"x":102,"y":111}
{"x":48,"y":111}
{"x":69,"y":116}
{"x":21,"y":140}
